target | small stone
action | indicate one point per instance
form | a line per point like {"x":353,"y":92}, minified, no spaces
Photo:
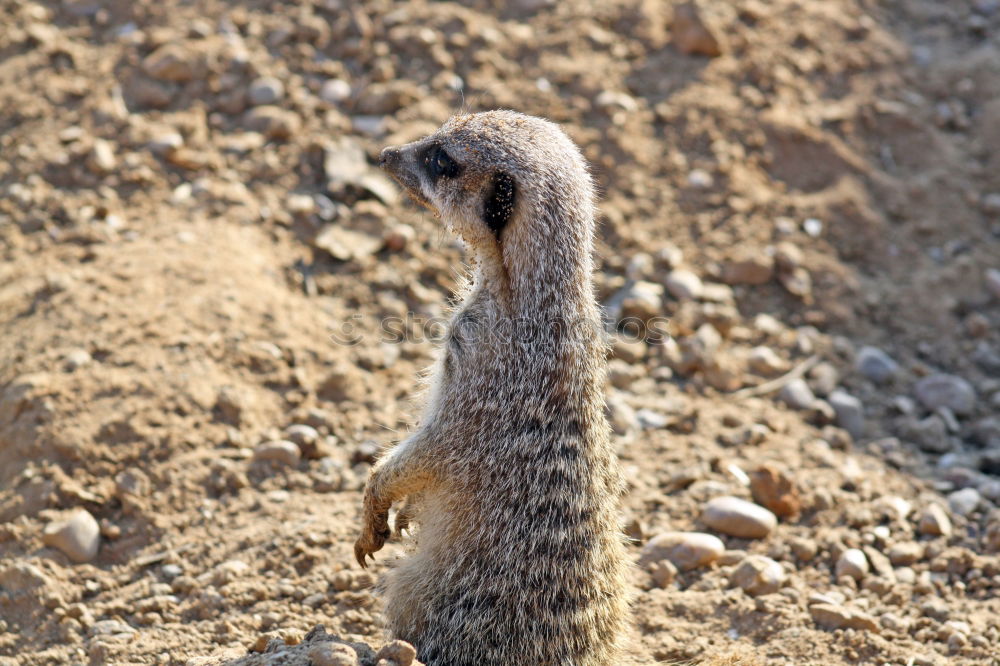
{"x":280,"y":451}
{"x":265,"y":90}
{"x":852,"y":563}
{"x":930,"y":434}
{"x":832,"y":616}
{"x":771,"y":488}
{"x":686,"y":550}
{"x":700,"y":179}
{"x":399,"y":237}
{"x":332,"y":654}
{"x":692,"y":34}
{"x":941,"y":390}
{"x":850,"y":413}
{"x":273,"y":122}
{"x":171,"y":62}
{"x":399,"y":652}
{"x":758,"y":575}
{"x":628,"y":350}
{"x":804,"y":549}
{"x":935,"y":522}
{"x":79,"y":537}
{"x":335,"y":91}
{"x":812,"y":226}
{"x":752,"y":269}
{"x":102,"y":157}
{"x":992,"y":279}
{"x":76,"y":358}
{"x":905,"y":553}
{"x":823,"y":379}
{"x":683,"y":285}
{"x":875,"y":365}
{"x":346,"y":244}
{"x":671,"y":255}
{"x":739,"y":518}
{"x":765,"y":361}
{"x":797,"y":394}
{"x":787,"y":256}
{"x":963,"y":502}
{"x":663,"y":573}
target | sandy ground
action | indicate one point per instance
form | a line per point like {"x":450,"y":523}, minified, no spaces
{"x":198,"y":260}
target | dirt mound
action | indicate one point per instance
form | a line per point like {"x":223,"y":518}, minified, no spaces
{"x":214,"y":310}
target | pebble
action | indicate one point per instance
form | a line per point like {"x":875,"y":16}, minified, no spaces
{"x":739,"y":518}
{"x":930,"y":434}
{"x":685,"y":550}
{"x":265,"y":90}
{"x":850,"y":413}
{"x":758,"y":575}
{"x":905,"y":553}
{"x":941,"y":390}
{"x":963,"y":502}
{"x":692,"y":34}
{"x":79,"y":537}
{"x":833,"y":616}
{"x":797,"y":394}
{"x":773,"y":489}
{"x":765,"y":361}
{"x":398,"y":652}
{"x":875,"y":364}
{"x":852,"y":563}
{"x":273,"y":122}
{"x":753,"y":270}
{"x":992,"y":279}
{"x":332,"y":654}
{"x":335,"y":91}
{"x":683,"y":285}
{"x":935,"y":522}
{"x":663,"y":573}
{"x":280,"y":451}
{"x":76,"y":358}
{"x":170,"y":62}
{"x":102,"y":157}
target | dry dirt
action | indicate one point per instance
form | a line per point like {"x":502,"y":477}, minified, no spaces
{"x":190,"y":229}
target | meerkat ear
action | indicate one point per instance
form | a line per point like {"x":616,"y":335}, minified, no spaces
{"x":499,"y":204}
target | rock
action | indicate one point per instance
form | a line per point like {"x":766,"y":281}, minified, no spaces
{"x":739,"y":518}
{"x":787,"y":256}
{"x":79,"y":537}
{"x":671,"y":255}
{"x":280,"y":451}
{"x":852,"y":563}
{"x":335,"y":91}
{"x":273,"y":122}
{"x":663,"y":573}
{"x":170,"y":62}
{"x":752,"y":269}
{"x":905,"y":553}
{"x":875,"y":365}
{"x":400,"y":653}
{"x":642,"y":300}
{"x":797,"y":394}
{"x":758,"y":575}
{"x":346,"y":167}
{"x":850,"y":413}
{"x":332,"y":654}
{"x":963,"y":502}
{"x":628,"y":349}
{"x":75,"y":359}
{"x":686,"y":550}
{"x":692,"y":34}
{"x":102,"y":157}
{"x":992,"y":279}
{"x":307,"y":439}
{"x":797,"y":282}
{"x":935,"y":522}
{"x":765,"y":361}
{"x":823,"y":379}
{"x":399,"y":237}
{"x":832,"y":616}
{"x":265,"y":90}
{"x":930,"y":434}
{"x":683,"y":285}
{"x":949,"y":391}
{"x":774,"y":490}
{"x":346,"y":244}
{"x":132,"y":482}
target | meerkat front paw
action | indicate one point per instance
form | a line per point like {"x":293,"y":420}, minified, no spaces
{"x":372,"y":538}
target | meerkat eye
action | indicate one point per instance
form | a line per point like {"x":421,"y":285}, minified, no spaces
{"x":439,"y":163}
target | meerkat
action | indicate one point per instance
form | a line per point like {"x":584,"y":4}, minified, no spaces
{"x":519,"y":557}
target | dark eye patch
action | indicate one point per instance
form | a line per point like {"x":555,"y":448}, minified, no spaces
{"x":439,"y":163}
{"x":499,"y":203}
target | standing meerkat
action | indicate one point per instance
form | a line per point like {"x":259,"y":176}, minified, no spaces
{"x":519,"y":557}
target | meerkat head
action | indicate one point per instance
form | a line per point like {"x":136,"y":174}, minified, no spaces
{"x":513,"y":187}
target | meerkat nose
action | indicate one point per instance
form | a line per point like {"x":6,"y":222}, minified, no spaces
{"x":388,"y":157}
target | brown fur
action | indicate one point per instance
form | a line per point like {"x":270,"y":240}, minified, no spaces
{"x":519,"y":557}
